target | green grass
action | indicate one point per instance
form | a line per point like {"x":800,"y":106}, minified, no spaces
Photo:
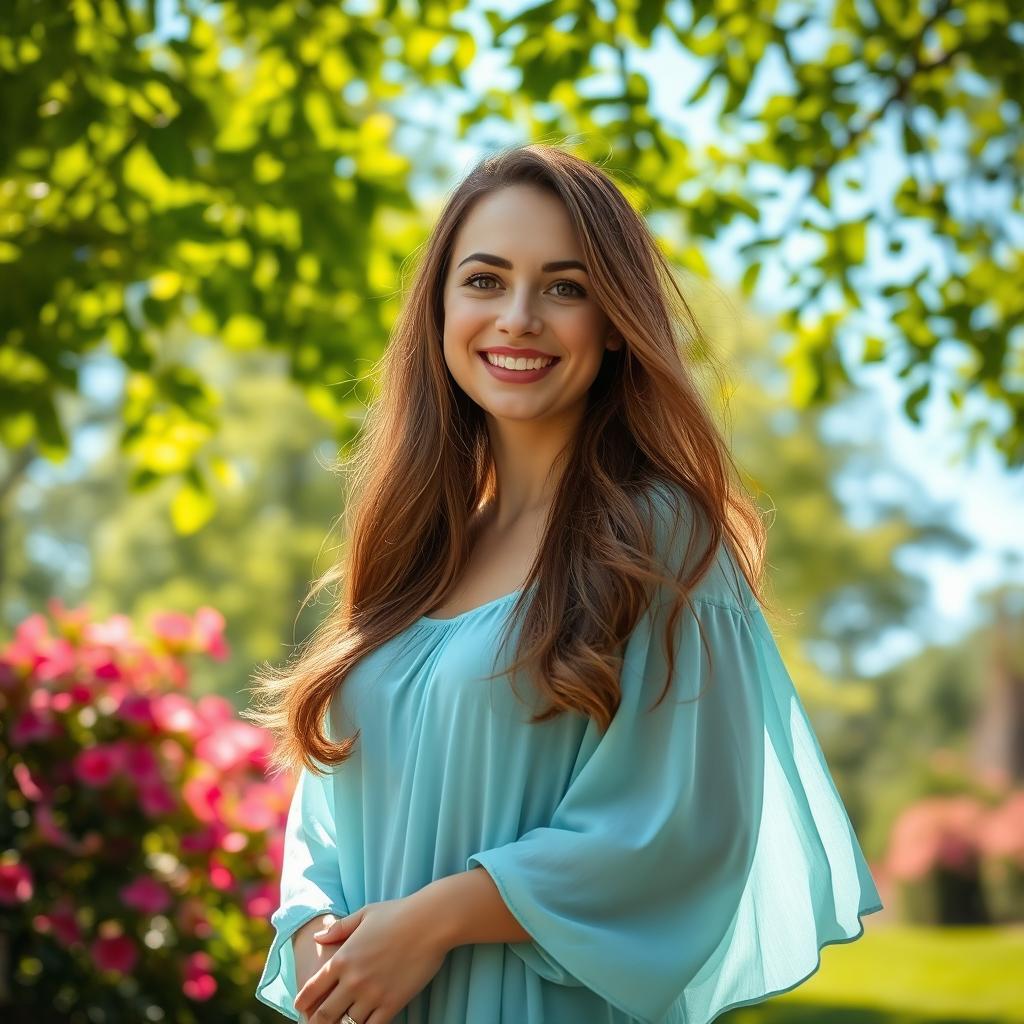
{"x":904,"y":975}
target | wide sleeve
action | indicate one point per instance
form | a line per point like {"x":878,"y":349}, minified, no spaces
{"x":701,"y":856}
{"x":310,"y":884}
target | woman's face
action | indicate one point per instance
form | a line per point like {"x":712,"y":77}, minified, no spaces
{"x":500,"y":297}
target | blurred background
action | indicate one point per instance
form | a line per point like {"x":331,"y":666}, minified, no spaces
{"x":208,"y":213}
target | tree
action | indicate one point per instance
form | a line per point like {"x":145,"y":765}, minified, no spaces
{"x":843,"y":96}
{"x":234,"y":169}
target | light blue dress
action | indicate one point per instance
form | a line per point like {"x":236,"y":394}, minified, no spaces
{"x":695,"y":858}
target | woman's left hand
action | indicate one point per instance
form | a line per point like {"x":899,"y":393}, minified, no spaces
{"x":389,"y":952}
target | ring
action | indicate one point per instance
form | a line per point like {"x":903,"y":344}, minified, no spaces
{"x":346,"y":1019}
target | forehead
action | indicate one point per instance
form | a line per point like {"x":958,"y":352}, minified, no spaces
{"x":517,"y":220}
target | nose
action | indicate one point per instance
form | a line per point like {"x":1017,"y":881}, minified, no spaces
{"x":518,"y":318}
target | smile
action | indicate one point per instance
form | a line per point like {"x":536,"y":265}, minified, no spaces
{"x":533,"y":369}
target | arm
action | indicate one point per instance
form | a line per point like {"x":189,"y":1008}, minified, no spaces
{"x":467,"y":908}
{"x":310,"y":888}
{"x":309,"y":955}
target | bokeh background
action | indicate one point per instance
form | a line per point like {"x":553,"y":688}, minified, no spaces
{"x":208,"y":213}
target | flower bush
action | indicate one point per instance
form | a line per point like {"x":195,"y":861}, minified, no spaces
{"x":142,"y":836}
{"x":960,"y":856}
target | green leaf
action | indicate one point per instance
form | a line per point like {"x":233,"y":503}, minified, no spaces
{"x":750,"y":275}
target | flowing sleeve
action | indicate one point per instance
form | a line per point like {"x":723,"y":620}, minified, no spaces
{"x":310,"y":884}
{"x":701,"y":856}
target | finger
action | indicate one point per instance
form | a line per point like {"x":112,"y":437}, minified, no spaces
{"x":329,"y":936}
{"x":333,"y":927}
{"x":316,"y":988}
{"x":329,"y":923}
{"x":358,"y":1011}
{"x":334,"y":1005}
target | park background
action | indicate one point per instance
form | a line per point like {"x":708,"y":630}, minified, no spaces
{"x":208,"y":213}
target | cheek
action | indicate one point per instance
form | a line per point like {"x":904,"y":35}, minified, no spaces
{"x":462,"y":318}
{"x":582,"y":336}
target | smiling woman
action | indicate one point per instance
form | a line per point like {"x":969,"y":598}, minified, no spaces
{"x":541,"y":303}
{"x":551,"y":765}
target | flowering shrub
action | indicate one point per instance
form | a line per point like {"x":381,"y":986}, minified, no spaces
{"x":968,"y":848}
{"x":142,"y":837}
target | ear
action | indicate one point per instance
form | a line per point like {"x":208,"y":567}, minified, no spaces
{"x":613,"y":340}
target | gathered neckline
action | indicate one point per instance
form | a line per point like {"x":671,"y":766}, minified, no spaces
{"x":430,"y":621}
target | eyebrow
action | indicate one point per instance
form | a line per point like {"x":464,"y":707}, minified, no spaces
{"x":499,"y":261}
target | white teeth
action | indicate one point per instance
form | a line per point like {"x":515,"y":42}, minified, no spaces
{"x":518,"y":364}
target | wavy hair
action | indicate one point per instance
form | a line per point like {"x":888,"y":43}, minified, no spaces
{"x":409,"y":505}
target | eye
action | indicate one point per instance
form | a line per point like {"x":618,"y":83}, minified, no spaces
{"x":580,"y":293}
{"x":572,"y":284}
{"x":478,"y":277}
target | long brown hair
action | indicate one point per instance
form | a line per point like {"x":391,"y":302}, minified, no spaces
{"x":423,"y":467}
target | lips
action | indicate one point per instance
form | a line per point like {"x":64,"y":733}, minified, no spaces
{"x":518,"y":376}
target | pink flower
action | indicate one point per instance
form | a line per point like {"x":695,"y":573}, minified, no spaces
{"x":173,"y":754}
{"x":209,"y":625}
{"x":175,"y":713}
{"x":274,"y":852}
{"x":32,"y":726}
{"x":77,"y":693}
{"x":116,"y":632}
{"x":114,"y":953}
{"x":220,"y":877}
{"x":156,"y":799}
{"x":259,"y":808}
{"x":174,"y":629}
{"x":106,"y":670}
{"x":15,"y":883}
{"x":46,"y":822}
{"x":136,"y":708}
{"x":139,"y":762}
{"x":199,"y":983}
{"x":31,"y":641}
{"x":215,"y":710}
{"x":59,"y":660}
{"x":203,"y":841}
{"x":147,"y":895}
{"x":203,"y":796}
{"x":65,"y":926}
{"x":97,"y":765}
{"x":26,"y":783}
{"x":261,"y":899}
{"x":61,"y":922}
{"x":231,"y":744}
{"x":233,"y":842}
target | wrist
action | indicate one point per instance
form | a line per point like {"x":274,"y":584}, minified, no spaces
{"x":434,"y":915}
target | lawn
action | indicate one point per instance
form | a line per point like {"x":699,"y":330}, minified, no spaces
{"x":907,"y":974}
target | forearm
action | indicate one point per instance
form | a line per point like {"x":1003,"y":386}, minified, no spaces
{"x":310,"y":956}
{"x":467,"y":908}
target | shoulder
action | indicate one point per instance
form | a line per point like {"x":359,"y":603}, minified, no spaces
{"x":681,"y":535}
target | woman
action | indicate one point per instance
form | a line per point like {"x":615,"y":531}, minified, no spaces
{"x":552,"y":768}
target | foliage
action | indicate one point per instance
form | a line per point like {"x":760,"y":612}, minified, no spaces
{"x":898,"y":125}
{"x":235,"y":178}
{"x":234,"y":171}
{"x":140,"y":855}
{"x":83,"y":534}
